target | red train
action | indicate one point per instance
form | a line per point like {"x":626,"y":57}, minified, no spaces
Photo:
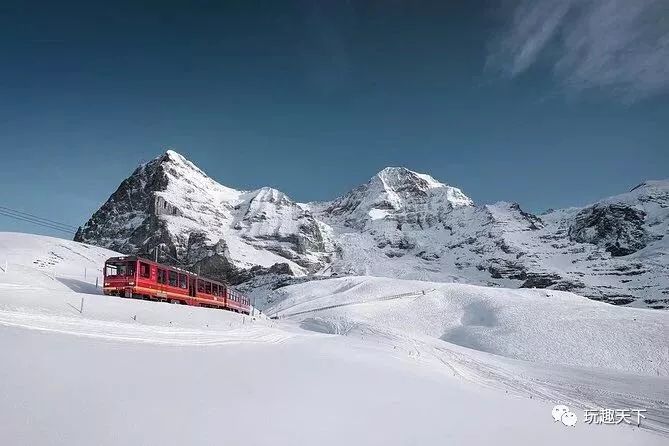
{"x":143,"y":279}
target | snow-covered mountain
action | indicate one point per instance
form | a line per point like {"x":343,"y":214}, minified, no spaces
{"x":196,"y":221}
{"x":400,"y":224}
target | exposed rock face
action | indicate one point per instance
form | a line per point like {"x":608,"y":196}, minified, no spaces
{"x":616,"y":227}
{"x":399,"y":224}
{"x":134,"y":204}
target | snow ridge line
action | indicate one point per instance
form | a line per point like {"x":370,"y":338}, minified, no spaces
{"x":378,"y":299}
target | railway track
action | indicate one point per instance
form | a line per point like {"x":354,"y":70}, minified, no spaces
{"x":419,"y":293}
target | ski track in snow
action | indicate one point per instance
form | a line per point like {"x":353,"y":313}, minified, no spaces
{"x":572,"y":390}
{"x":581,"y":388}
{"x":371,"y":320}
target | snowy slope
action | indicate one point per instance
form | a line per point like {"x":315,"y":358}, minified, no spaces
{"x":400,"y":224}
{"x":50,"y":263}
{"x":545,"y":326}
{"x":551,"y":345}
{"x":134,"y":372}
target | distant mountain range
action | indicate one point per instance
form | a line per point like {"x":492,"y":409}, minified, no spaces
{"x":399,"y":224}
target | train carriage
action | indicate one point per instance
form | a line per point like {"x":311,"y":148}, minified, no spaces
{"x":135,"y":277}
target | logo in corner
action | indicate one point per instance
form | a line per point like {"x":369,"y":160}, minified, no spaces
{"x":563,"y":414}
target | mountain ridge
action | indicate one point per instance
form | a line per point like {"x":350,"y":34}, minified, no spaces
{"x":400,"y":223}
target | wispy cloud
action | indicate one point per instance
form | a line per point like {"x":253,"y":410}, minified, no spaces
{"x":616,"y":45}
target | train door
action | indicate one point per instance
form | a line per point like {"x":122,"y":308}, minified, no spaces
{"x":191,"y":286}
{"x":162,"y":281}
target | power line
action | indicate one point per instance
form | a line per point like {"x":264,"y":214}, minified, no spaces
{"x":36,"y":221}
{"x":46,"y":220}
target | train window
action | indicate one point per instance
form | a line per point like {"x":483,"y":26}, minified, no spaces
{"x":120,"y":269}
{"x":207,"y":287}
{"x":183,"y":281}
{"x":214,"y":289}
{"x":173,"y":278}
{"x":161,"y":276}
{"x":144,"y":269}
{"x":111,"y":270}
{"x":200,"y":286}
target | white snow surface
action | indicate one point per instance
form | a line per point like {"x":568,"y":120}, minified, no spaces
{"x":372,"y":373}
{"x":543,"y":326}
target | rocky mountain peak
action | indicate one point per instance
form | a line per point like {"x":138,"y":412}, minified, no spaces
{"x":397,"y":192}
{"x":271,"y":195}
{"x":407,"y":183}
{"x":399,"y":178}
{"x":652,"y":185}
{"x":170,"y":204}
{"x":178,"y":164}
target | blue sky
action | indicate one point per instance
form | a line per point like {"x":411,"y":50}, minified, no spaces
{"x":313,"y":98}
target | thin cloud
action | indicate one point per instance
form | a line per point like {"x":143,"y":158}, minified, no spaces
{"x":620,"y":46}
